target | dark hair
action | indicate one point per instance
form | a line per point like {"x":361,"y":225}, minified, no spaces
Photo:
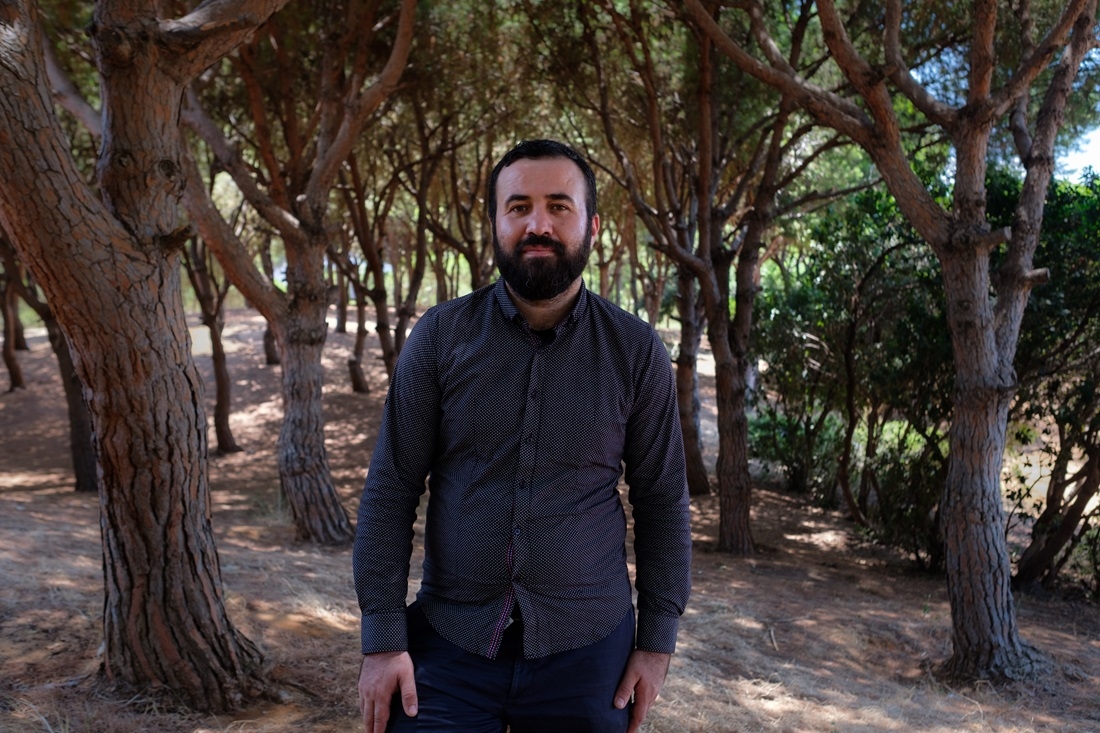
{"x":542,"y":149}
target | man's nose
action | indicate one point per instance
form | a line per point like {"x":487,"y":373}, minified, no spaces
{"x":539,"y":222}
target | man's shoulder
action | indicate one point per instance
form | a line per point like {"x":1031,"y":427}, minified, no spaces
{"x":623,"y":321}
{"x":462,"y":305}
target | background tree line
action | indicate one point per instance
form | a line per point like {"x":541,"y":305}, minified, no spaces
{"x":853,"y":205}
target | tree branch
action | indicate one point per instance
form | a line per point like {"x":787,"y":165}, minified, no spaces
{"x":230,"y":158}
{"x":211,"y":31}
{"x":899,"y":73}
{"x":361,"y":104}
{"x":67,"y":95}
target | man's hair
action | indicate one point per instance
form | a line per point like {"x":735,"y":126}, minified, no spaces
{"x":542,"y":149}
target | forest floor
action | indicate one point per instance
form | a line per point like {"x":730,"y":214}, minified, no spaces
{"x":817,"y":632}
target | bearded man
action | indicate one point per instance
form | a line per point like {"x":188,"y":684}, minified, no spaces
{"x":518,"y":407}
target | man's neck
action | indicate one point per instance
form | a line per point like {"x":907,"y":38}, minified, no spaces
{"x":542,"y":315}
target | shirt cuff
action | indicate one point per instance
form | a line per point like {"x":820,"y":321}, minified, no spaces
{"x":384,"y":632}
{"x":656,"y":632}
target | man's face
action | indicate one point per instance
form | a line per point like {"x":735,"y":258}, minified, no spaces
{"x":542,"y":234}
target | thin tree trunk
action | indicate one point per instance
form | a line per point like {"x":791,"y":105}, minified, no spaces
{"x":734,"y":482}
{"x":359,"y":383}
{"x":341,"y":301}
{"x":15,"y":372}
{"x":271,"y":347}
{"x":85,"y":464}
{"x":222,"y":387}
{"x":81,"y":446}
{"x":687,"y":385}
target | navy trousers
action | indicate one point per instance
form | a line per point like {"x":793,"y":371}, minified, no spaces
{"x":569,"y":692}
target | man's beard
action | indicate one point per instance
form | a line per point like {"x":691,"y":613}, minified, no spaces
{"x":541,"y":278}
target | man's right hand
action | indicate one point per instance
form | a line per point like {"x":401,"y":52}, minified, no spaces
{"x":380,"y":676}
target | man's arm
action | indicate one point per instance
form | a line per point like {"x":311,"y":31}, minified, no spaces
{"x":384,"y":531}
{"x":657,"y":476}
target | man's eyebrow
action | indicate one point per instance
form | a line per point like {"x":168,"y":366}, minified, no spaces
{"x":550,"y":196}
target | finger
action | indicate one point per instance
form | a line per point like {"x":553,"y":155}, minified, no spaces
{"x":626,"y":689}
{"x":407,"y":685}
{"x":381,"y":716}
{"x":638,"y":712}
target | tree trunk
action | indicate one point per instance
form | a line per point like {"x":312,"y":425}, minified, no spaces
{"x":735,"y":531}
{"x":303,"y":463}
{"x":359,"y":382}
{"x":271,"y":347}
{"x":165,"y":621}
{"x":734,"y":482}
{"x":15,"y":372}
{"x":222,"y":387}
{"x":986,"y":639}
{"x":341,"y":302}
{"x":81,"y":445}
{"x":110,"y":270}
{"x":687,"y":385}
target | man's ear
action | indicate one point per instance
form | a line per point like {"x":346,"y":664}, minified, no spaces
{"x":595,"y":225}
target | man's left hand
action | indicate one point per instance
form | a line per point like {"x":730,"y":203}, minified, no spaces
{"x":643,"y":679}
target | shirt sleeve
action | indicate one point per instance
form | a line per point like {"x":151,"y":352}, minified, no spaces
{"x":395,"y":481}
{"x":657,"y":477}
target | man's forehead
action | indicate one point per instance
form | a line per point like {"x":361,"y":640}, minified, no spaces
{"x":541,"y":177}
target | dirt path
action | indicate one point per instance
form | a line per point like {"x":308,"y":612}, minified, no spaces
{"x":815,"y":633}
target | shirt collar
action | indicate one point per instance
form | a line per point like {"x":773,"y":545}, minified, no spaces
{"x":512,"y":314}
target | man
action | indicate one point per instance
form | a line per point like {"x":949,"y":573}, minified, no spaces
{"x":520,"y":403}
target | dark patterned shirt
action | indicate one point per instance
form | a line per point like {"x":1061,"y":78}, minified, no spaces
{"x":522,"y":437}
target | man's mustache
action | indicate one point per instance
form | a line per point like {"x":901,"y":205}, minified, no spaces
{"x":540,"y":240}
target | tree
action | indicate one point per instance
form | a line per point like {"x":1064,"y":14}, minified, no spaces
{"x":703,"y":151}
{"x":81,"y":449}
{"x":984,"y":307}
{"x":9,"y":309}
{"x":211,"y":292}
{"x":108,"y":262}
{"x":290,"y":185}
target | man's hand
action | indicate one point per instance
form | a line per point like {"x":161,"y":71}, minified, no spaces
{"x":643,"y":679}
{"x":382,"y":675}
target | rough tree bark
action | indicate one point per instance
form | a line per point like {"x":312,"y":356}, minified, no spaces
{"x":984,"y":308}
{"x":110,"y":270}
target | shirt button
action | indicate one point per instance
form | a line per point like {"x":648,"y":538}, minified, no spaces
{"x":529,"y":439}
{"x":515,"y":531}
{"x":534,"y":394}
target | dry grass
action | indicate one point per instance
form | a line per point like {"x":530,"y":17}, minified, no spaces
{"x":813,"y":634}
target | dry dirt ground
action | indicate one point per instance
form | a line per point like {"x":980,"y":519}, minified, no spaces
{"x":817,"y":632}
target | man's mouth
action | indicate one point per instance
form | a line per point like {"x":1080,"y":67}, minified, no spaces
{"x":541,"y":248}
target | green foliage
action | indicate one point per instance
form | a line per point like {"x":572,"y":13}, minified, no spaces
{"x":800,"y":444}
{"x":909,"y":473}
{"x":1086,"y":559}
{"x":856,"y":314}
{"x":1059,"y":373}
